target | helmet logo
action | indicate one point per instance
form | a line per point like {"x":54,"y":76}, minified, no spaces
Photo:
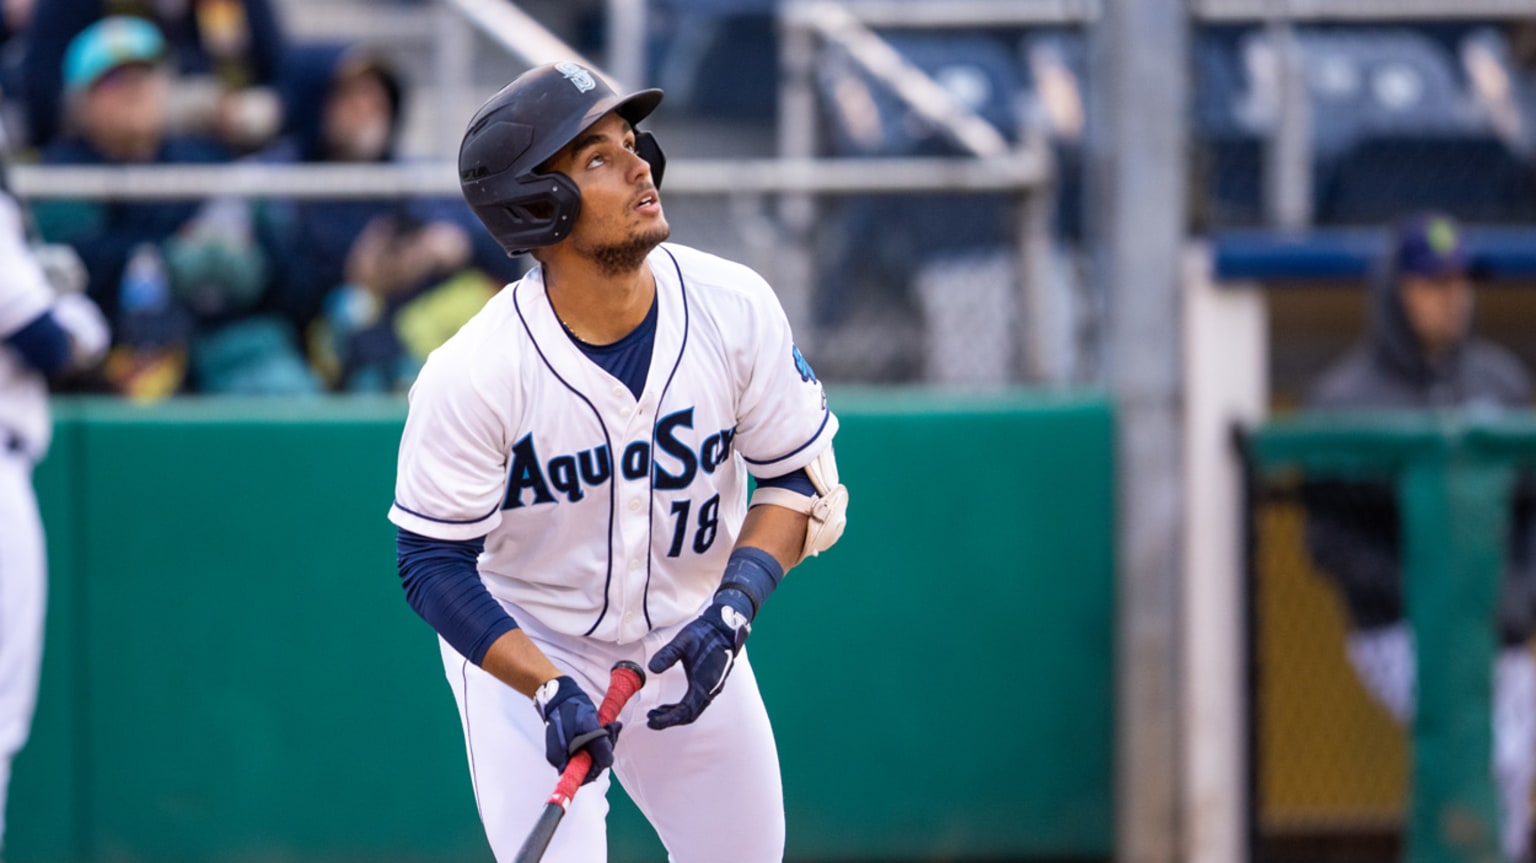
{"x":577,"y":75}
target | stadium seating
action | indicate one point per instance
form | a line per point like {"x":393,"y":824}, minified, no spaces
{"x":717,"y":59}
{"x":1476,"y":177}
{"x":884,"y":246}
{"x":978,"y":69}
{"x":1393,"y":127}
{"x":1229,"y":179}
{"x":1394,"y":124}
{"x":1394,"y":83}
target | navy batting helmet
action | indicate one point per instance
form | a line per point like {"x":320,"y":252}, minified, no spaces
{"x":522,"y":127}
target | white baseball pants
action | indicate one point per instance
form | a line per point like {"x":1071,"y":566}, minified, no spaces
{"x":1384,"y":661}
{"x":710,"y":789}
{"x":23,"y":596}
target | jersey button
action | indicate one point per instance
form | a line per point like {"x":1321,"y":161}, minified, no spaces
{"x":635,"y":504}
{"x":618,"y":390}
{"x":624,"y":412}
{"x":634,"y":564}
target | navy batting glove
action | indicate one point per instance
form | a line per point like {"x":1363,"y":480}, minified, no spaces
{"x":570,"y":725}
{"x":707,"y":648}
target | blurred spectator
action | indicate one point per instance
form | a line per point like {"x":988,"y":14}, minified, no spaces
{"x":1520,"y":45}
{"x":226,"y":54}
{"x":219,"y":273}
{"x":168,"y":274}
{"x":1494,"y":85}
{"x":15,"y":18}
{"x":374,"y":284}
{"x":1420,"y":355}
{"x":15,"y":21}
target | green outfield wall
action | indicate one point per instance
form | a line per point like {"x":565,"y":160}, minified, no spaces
{"x":233,"y":675}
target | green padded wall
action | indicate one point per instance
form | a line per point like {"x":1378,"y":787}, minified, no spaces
{"x":232,"y":673}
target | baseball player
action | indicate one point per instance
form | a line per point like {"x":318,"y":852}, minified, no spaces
{"x":44,"y":336}
{"x":572,"y":488}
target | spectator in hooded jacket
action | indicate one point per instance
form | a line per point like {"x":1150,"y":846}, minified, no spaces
{"x":1420,"y":354}
{"x":373,"y":284}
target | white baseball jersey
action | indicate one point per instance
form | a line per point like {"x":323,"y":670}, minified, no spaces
{"x":24,"y":294}
{"x":606,"y":515}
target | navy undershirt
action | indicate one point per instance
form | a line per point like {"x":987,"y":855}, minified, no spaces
{"x":42,"y":343}
{"x":629,"y":358}
{"x":440,"y":577}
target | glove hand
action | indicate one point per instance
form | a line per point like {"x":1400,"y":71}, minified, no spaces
{"x":707,"y":648}
{"x":87,"y":329}
{"x":570,"y":725}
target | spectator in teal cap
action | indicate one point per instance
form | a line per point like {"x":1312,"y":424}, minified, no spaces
{"x":108,"y":44}
{"x":116,"y":88}
{"x":223,"y":55}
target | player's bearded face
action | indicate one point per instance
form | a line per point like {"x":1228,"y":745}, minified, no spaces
{"x":626,"y":254}
{"x":621,"y":218}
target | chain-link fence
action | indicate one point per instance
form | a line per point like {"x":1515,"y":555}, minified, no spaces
{"x":1331,"y":762}
{"x":1393,"y":685}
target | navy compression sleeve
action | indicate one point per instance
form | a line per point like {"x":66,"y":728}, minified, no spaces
{"x":443,"y":585}
{"x":796,"y":481}
{"x":43,"y":344}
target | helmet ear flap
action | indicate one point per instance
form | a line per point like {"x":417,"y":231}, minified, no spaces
{"x":528,"y":212}
{"x":566,"y":199}
{"x":647,"y":148}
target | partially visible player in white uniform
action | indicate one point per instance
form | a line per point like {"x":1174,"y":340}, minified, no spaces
{"x":43,"y":336}
{"x":572,"y":488}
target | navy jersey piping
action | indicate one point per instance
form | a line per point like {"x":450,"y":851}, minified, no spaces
{"x":825,"y":416}
{"x":650,"y":557}
{"x":612,"y":486}
{"x":405,"y":509}
{"x":469,"y":740}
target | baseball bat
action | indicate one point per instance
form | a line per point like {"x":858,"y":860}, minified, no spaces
{"x":624,"y":681}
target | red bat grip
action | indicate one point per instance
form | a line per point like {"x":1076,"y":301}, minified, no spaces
{"x":626,"y":680}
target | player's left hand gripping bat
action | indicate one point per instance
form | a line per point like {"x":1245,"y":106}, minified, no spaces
{"x":624,"y":681}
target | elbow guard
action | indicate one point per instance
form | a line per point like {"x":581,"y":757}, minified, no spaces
{"x":828,"y":509}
